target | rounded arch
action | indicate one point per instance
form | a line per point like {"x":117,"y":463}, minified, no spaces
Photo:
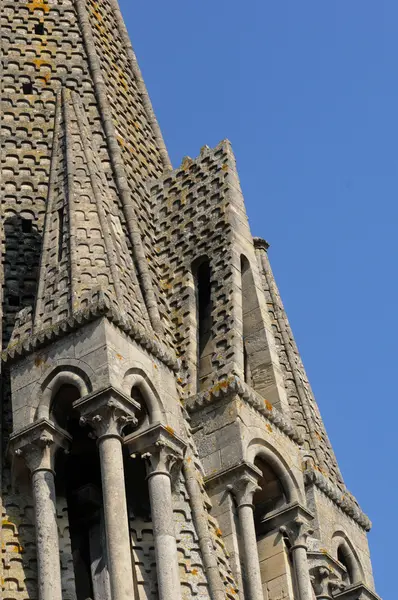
{"x":137,"y":378}
{"x":259,"y":449}
{"x":346,"y":554}
{"x":61,"y":375}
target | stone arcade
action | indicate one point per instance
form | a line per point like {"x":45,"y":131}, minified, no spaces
{"x":160,"y":438}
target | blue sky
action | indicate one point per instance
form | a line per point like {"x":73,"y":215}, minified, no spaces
{"x":307,"y":92}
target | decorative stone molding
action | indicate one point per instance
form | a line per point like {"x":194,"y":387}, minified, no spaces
{"x":107,"y":411}
{"x":159,"y":445}
{"x":38,"y":443}
{"x":345,"y":501}
{"x":234,"y":385}
{"x":23,"y":343}
{"x":260,"y":244}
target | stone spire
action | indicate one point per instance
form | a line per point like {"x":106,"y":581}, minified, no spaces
{"x":304,"y":409}
{"x":85,"y":256}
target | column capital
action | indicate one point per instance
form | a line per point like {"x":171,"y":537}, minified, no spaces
{"x":159,"y":445}
{"x":297,"y":531}
{"x":107,"y":411}
{"x":242,"y":482}
{"x":326,"y":583}
{"x":37,"y":444}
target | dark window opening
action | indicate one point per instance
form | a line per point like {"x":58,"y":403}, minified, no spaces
{"x":137,"y":491}
{"x":269,"y":497}
{"x":204,"y":319}
{"x":13,"y":300}
{"x":26,"y":225}
{"x":39,"y":29}
{"x":60,"y":232}
{"x":78,"y":481}
{"x":344,"y":558}
{"x":27,"y":87}
{"x":246,"y":281}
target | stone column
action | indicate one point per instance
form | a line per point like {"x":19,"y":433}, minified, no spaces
{"x":161,"y":448}
{"x":107,"y":412}
{"x":297,"y":532}
{"x":37,"y":445}
{"x":243,"y":489}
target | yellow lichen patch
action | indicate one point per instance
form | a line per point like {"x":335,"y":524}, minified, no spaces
{"x":194,"y":572}
{"x":268,"y":405}
{"x":224,"y":167}
{"x":269,"y":428}
{"x":38,"y":5}
{"x":170,"y":429}
{"x":218,"y":532}
{"x":119,"y":356}
{"x":39,"y":361}
{"x":318,"y":435}
{"x":323,"y":550}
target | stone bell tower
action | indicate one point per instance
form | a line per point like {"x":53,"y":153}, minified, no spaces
{"x":160,"y":439}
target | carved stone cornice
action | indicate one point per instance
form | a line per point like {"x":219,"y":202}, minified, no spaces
{"x":37,"y":444}
{"x":159,"y":446}
{"x":107,"y":411}
{"x":345,"y":501}
{"x":233,"y":385}
{"x":98,"y":307}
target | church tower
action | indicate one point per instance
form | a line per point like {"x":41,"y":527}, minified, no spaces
{"x":159,"y":436}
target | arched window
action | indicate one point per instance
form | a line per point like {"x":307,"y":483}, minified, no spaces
{"x":78,"y":486}
{"x":345,"y":557}
{"x":202,"y":275}
{"x":246,"y":281}
{"x":271,"y":545}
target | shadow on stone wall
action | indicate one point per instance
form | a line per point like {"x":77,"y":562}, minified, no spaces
{"x":21,"y":255}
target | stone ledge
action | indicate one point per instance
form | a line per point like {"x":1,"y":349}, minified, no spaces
{"x":343,"y":500}
{"x":234,"y":385}
{"x":99,"y":307}
{"x":281,"y":516}
{"x":357,"y":591}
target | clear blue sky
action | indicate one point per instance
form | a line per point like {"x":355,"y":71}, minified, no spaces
{"x":307,"y":92}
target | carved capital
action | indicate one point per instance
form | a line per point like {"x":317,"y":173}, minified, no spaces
{"x":159,"y":446}
{"x":297,"y":531}
{"x":325,"y":583}
{"x":243,"y":489}
{"x":107,"y":412}
{"x":38,"y":443}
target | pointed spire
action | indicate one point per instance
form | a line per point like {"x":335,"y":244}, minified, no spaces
{"x":85,"y":253}
{"x":304,"y":409}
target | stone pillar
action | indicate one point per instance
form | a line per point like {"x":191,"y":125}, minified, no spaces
{"x":297,"y":532}
{"x":107,"y":412}
{"x":37,"y":445}
{"x":161,"y":448}
{"x":243,"y":489}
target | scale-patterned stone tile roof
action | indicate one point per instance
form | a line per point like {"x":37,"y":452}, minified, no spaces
{"x":84,"y":247}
